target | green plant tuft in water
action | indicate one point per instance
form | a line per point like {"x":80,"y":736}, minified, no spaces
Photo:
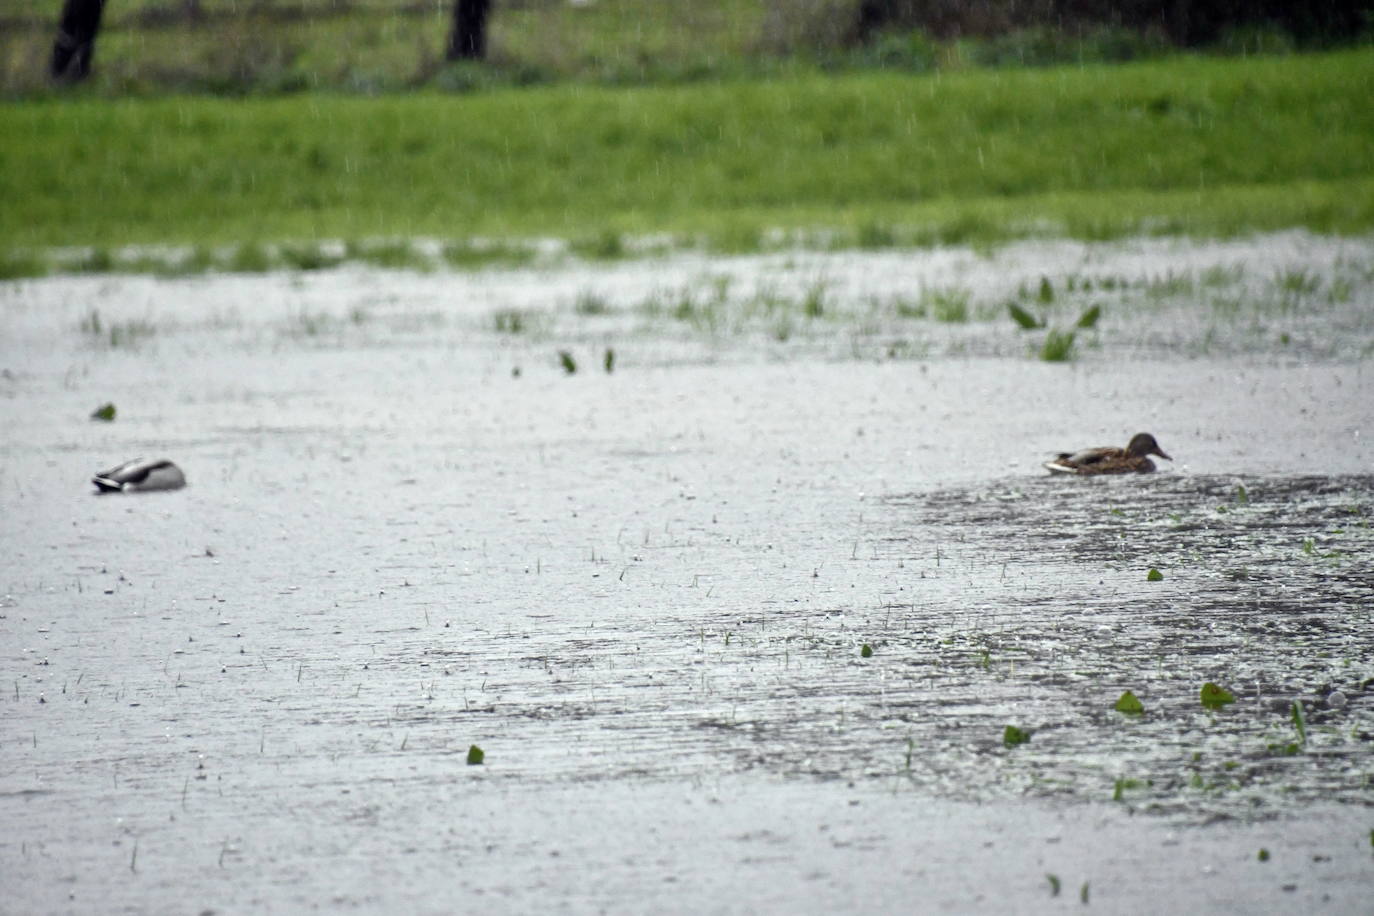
{"x":608,"y":361}
{"x":1012,"y":736}
{"x":1215,"y":697}
{"x":1242,"y":497}
{"x":471,"y":254}
{"x":565,"y":359}
{"x":1089,"y":317}
{"x":1024,"y":318}
{"x":1058,"y":347}
{"x":476,"y":756}
{"x":508,"y":321}
{"x":104,"y":412}
{"x":866,"y":651}
{"x":950,"y":306}
{"x":1154,"y":575}
{"x":393,"y":254}
{"x":1054,"y":884}
{"x":1300,"y":721}
{"x":813,"y":302}
{"x":250,"y":257}
{"x":308,"y":256}
{"x":1129,"y":704}
{"x":605,"y":246}
{"x":1046,"y":293}
{"x":1263,"y":855}
{"x":590,"y":303}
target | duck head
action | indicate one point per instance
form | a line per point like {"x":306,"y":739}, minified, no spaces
{"x":1143,"y":444}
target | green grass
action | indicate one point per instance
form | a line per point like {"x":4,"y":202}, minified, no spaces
{"x":1187,"y":145}
{"x":384,"y":45}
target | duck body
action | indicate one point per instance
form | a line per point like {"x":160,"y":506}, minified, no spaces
{"x":1133,"y":459}
{"x":140,"y":475}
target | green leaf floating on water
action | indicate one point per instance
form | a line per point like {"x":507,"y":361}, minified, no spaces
{"x":1300,"y":721}
{"x":1046,"y":290}
{"x":475,"y":756}
{"x":1014,"y":736}
{"x":104,"y":412}
{"x":866,"y":651}
{"x":1154,"y":575}
{"x":1214,"y":697}
{"x":1129,"y":704}
{"x":1263,"y":854}
{"x":1089,"y":318}
{"x":1024,"y":318}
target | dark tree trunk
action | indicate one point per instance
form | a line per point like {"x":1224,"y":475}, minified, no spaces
{"x":468,"y":40}
{"x":75,"y":45}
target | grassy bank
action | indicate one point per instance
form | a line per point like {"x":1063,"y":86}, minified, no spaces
{"x":1208,"y":146}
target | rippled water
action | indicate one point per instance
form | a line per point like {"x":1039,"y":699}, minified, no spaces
{"x":408,"y":530}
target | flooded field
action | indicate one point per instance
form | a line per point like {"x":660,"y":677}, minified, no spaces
{"x":737,"y":570}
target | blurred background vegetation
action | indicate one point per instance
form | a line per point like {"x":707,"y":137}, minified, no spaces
{"x":369,"y":46}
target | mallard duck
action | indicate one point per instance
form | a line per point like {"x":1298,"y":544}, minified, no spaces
{"x":1109,"y":460}
{"x":138,"y":475}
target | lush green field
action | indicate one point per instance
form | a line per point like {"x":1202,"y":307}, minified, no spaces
{"x":1207,"y":146}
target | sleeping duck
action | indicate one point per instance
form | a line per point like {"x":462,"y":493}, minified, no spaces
{"x":1134,"y":458}
{"x":139,"y":475}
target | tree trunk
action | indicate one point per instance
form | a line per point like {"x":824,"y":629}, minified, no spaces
{"x":75,"y":45}
{"x":468,"y":40}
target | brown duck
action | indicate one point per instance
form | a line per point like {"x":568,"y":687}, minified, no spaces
{"x":1134,"y":458}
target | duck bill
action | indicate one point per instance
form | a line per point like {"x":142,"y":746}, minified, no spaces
{"x":1160,"y":453}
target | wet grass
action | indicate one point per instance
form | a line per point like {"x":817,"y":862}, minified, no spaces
{"x":1242,"y":145}
{"x":129,"y":334}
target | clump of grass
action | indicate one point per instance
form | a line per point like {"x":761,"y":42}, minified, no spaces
{"x":590,"y":303}
{"x":950,"y":306}
{"x":566,"y":360}
{"x":130,"y":333}
{"x":197,"y":260}
{"x":308,"y":256}
{"x":90,"y":324}
{"x":736,"y":239}
{"x":1169,"y":285}
{"x":904,"y":307}
{"x":396,"y":254}
{"x":509,"y":321}
{"x":1046,"y":292}
{"x":814,"y":300}
{"x":874,"y":235}
{"x":607,"y":245}
{"x":1058,"y":346}
{"x":98,"y":260}
{"x":469,"y":254}
{"x":250,"y":257}
{"x":1221,"y":275}
{"x":19,"y":264}
{"x":311,"y":324}
{"x":1296,"y":285}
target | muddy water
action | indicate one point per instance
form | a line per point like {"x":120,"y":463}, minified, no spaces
{"x":645,"y":593}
